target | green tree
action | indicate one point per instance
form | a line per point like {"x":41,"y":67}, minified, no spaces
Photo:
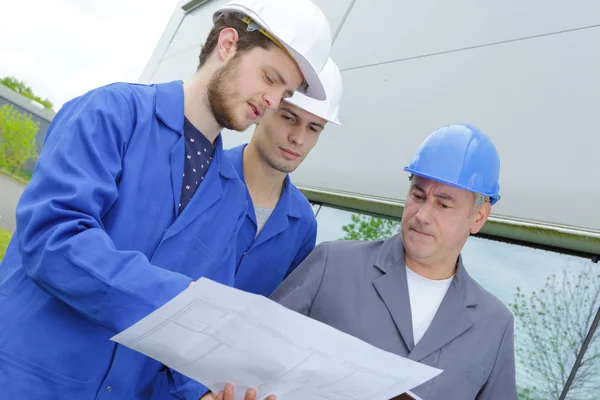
{"x":556,"y":321}
{"x":527,"y":394}
{"x":4,"y":239}
{"x":17,"y":138}
{"x":24,"y":90}
{"x":366,"y":227}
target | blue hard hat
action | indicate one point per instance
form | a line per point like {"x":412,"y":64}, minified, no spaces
{"x":461,"y":156}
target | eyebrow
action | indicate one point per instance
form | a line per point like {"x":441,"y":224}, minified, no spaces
{"x":442,"y":196}
{"x":298,"y":117}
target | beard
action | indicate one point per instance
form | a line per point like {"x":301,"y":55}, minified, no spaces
{"x":219,"y":93}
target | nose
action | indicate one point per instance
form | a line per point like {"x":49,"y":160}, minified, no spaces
{"x":272,"y":100}
{"x":296,"y":135}
{"x":424,"y":215}
{"x":268,"y":102}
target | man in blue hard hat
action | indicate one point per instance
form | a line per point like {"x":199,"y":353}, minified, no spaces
{"x":411,"y":294}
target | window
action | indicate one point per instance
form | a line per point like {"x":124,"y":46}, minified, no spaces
{"x":339,"y":224}
{"x":315,"y":208}
{"x":553,"y":296}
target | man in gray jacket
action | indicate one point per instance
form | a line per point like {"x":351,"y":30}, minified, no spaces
{"x":411,"y":294}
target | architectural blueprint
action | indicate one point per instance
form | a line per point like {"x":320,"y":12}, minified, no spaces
{"x":216,"y":334}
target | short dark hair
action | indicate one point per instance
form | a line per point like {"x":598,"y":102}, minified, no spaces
{"x":247,"y":40}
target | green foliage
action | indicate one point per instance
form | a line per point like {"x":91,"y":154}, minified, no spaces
{"x":556,"y":320}
{"x":4,"y":239}
{"x":527,"y":394}
{"x":21,"y":175}
{"x":17,"y":138}
{"x":24,"y":90}
{"x":366,"y":227}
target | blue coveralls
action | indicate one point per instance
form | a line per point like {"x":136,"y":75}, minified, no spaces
{"x":287,"y":237}
{"x":99,"y":245}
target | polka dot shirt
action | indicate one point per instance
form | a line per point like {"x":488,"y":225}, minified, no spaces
{"x":198,"y":155}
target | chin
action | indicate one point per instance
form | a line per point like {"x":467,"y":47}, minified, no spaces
{"x":417,"y":250}
{"x":239,"y":125}
{"x":278,"y":164}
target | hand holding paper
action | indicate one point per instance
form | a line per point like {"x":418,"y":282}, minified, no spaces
{"x":216,"y":335}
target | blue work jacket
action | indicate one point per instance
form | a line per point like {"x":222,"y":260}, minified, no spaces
{"x":287,"y":237}
{"x":99,"y":245}
{"x":263,"y":261}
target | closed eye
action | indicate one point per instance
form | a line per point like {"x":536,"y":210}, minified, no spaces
{"x":288,"y":118}
{"x":269,"y":80}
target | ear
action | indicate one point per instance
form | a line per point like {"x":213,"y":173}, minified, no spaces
{"x":226,"y":44}
{"x":480,"y":216}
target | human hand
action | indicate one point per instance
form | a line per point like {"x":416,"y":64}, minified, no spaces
{"x":208,"y":396}
{"x":228,"y":394}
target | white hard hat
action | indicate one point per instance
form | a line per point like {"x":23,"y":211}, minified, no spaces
{"x":298,"y":25}
{"x":328,"y":109}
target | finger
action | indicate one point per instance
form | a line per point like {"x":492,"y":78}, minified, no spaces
{"x":220,"y":395}
{"x":229,"y":395}
{"x":250,"y":394}
{"x":271,"y":397}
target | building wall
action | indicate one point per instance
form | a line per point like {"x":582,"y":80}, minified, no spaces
{"x":526,"y":74}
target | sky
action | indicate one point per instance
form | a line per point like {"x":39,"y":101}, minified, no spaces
{"x":63,"y":48}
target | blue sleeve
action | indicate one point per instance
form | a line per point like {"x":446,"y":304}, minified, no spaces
{"x":308,"y":244}
{"x":64,"y":247}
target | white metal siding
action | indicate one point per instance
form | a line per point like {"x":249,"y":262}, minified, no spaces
{"x":526,"y":73}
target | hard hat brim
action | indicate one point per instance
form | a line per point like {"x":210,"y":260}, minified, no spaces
{"x":493,"y":197}
{"x":314,"y":88}
{"x":303,"y":107}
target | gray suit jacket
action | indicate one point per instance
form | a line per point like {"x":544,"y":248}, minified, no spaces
{"x":360,"y":288}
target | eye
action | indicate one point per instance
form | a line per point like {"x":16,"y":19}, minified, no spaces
{"x":312,"y":128}
{"x":287,"y":117}
{"x":417,"y":196}
{"x":269,"y":80}
{"x":444,"y":206}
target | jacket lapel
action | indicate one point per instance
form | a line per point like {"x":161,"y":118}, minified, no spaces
{"x":279,"y":220}
{"x":452,"y":318}
{"x":209,"y":191}
{"x":393,"y":287}
{"x":176,"y":159}
{"x":169,"y":109}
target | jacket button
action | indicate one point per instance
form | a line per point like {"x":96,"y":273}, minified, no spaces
{"x":109,"y":389}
